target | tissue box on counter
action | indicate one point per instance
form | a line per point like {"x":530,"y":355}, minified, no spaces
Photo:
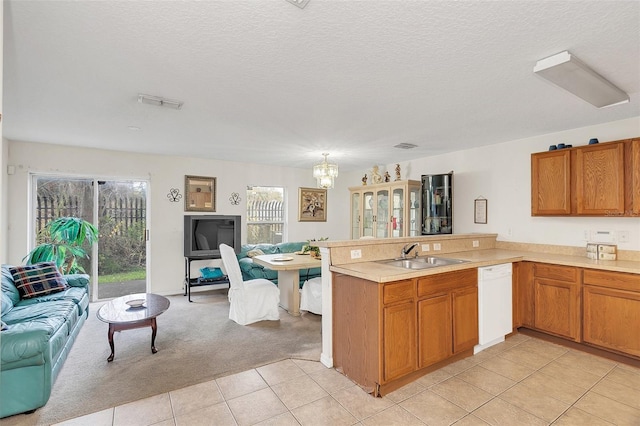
{"x":602,"y":251}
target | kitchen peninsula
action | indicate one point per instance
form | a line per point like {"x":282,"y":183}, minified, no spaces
{"x":385,"y":326}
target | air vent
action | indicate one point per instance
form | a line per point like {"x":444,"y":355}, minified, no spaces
{"x":405,"y":146}
{"x":158,"y":101}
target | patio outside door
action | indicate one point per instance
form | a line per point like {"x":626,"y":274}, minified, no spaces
{"x":118,"y":263}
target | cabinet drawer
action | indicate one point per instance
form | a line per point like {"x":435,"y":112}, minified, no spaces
{"x":441,"y":283}
{"x":397,"y":291}
{"x":617,"y":280}
{"x":555,"y":272}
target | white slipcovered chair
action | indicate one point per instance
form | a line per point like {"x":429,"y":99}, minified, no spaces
{"x":311,"y":296}
{"x":253,"y":300}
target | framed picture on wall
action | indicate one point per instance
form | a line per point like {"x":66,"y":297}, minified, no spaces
{"x":480,"y":210}
{"x":200,"y":194}
{"x":312,"y":205}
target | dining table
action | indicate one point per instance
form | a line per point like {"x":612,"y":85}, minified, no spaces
{"x":288,"y":266}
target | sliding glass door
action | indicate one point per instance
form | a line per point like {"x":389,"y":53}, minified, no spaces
{"x":118,"y":263}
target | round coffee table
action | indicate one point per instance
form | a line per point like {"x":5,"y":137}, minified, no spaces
{"x":122,"y":316}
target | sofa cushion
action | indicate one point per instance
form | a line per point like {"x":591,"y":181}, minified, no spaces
{"x":266,"y":249}
{"x":3,"y":326}
{"x":72,"y":294}
{"x":290,"y":247}
{"x":6,"y":304}
{"x":8,"y":286}
{"x":39,"y":279}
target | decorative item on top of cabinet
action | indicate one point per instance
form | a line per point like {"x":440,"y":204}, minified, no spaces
{"x":593,"y":180}
{"x":386,"y":210}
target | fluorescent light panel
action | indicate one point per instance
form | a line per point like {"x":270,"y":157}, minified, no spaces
{"x":571,"y":74}
{"x":158,"y":101}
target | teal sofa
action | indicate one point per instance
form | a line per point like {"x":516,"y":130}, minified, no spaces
{"x":251,"y":270}
{"x":39,"y":335}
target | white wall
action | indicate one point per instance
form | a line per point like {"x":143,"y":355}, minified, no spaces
{"x":165,"y":218}
{"x":501,"y":173}
{"x":3,"y":154}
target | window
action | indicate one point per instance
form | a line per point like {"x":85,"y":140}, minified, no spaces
{"x":265,"y":214}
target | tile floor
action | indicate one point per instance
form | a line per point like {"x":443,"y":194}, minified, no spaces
{"x":523,"y":381}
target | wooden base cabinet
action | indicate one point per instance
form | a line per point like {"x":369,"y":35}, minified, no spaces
{"x":384,"y":334}
{"x":612,"y":311}
{"x":557,"y":300}
{"x":447,"y":315}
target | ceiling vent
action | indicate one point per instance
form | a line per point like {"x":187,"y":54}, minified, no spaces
{"x":300,"y":3}
{"x":158,"y":101}
{"x":405,"y":145}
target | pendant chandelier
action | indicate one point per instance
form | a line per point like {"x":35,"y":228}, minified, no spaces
{"x":325,"y":173}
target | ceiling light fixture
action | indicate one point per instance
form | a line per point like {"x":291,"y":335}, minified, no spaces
{"x":300,"y":3}
{"x":569,"y":73}
{"x":158,"y":101}
{"x":325,"y":173}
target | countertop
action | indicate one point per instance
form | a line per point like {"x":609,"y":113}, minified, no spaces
{"x":378,"y":272}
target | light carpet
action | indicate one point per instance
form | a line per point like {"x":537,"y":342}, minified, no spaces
{"x":196,"y":342}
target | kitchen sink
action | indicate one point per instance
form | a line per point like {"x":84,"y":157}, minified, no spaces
{"x":424,"y":262}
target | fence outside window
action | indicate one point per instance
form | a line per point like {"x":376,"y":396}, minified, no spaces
{"x":265,"y":215}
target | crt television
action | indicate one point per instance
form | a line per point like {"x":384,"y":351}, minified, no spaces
{"x":203,"y":234}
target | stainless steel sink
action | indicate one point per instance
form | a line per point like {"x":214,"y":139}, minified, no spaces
{"x":424,"y":262}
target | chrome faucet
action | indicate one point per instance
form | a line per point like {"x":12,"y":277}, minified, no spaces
{"x":405,"y":251}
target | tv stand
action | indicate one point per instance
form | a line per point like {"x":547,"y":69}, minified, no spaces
{"x":197,"y":282}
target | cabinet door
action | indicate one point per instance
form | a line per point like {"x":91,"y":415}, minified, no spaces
{"x":612,"y":319}
{"x":413,"y":221}
{"x":368,"y":214}
{"x":434,"y":330}
{"x":600,"y":179}
{"x":551,"y":183}
{"x":399,"y":340}
{"x":523,"y":294}
{"x":356,"y":214}
{"x":556,"y":307}
{"x":465,"y":318}
{"x":397,"y":212}
{"x":382,"y":213}
{"x":633,"y":183}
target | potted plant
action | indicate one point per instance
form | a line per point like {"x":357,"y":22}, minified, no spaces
{"x":64,"y":239}
{"x":314,"y":251}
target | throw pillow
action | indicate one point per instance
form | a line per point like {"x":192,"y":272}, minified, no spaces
{"x":37,"y":280}
{"x":255,"y":252}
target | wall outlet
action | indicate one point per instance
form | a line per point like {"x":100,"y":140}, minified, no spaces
{"x":476,"y":243}
{"x":425,"y":247}
{"x":356,"y":254}
{"x":437,"y":246}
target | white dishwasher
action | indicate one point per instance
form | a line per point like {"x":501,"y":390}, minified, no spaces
{"x":494,"y":305}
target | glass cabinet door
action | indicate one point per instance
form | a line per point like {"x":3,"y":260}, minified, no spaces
{"x":437,"y":199}
{"x":367,"y":214}
{"x":382,"y":213}
{"x":413,"y":227}
{"x":397,"y":212}
{"x":355,"y":215}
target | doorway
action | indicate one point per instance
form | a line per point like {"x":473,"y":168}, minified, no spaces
{"x":117,"y":264}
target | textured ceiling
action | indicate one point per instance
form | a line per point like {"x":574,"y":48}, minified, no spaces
{"x":268,"y":82}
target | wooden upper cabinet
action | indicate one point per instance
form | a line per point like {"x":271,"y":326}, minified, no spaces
{"x":551,"y":183}
{"x":600,"y":179}
{"x":592,"y":180}
{"x":632,"y":175}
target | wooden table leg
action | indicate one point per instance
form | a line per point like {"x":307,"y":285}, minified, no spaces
{"x":110,"y":335}
{"x":154,"y":330}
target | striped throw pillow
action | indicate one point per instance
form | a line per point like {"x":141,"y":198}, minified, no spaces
{"x":37,"y":280}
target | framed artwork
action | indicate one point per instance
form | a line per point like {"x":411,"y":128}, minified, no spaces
{"x":313,"y":205}
{"x":480,"y":210}
{"x":199,"y":194}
